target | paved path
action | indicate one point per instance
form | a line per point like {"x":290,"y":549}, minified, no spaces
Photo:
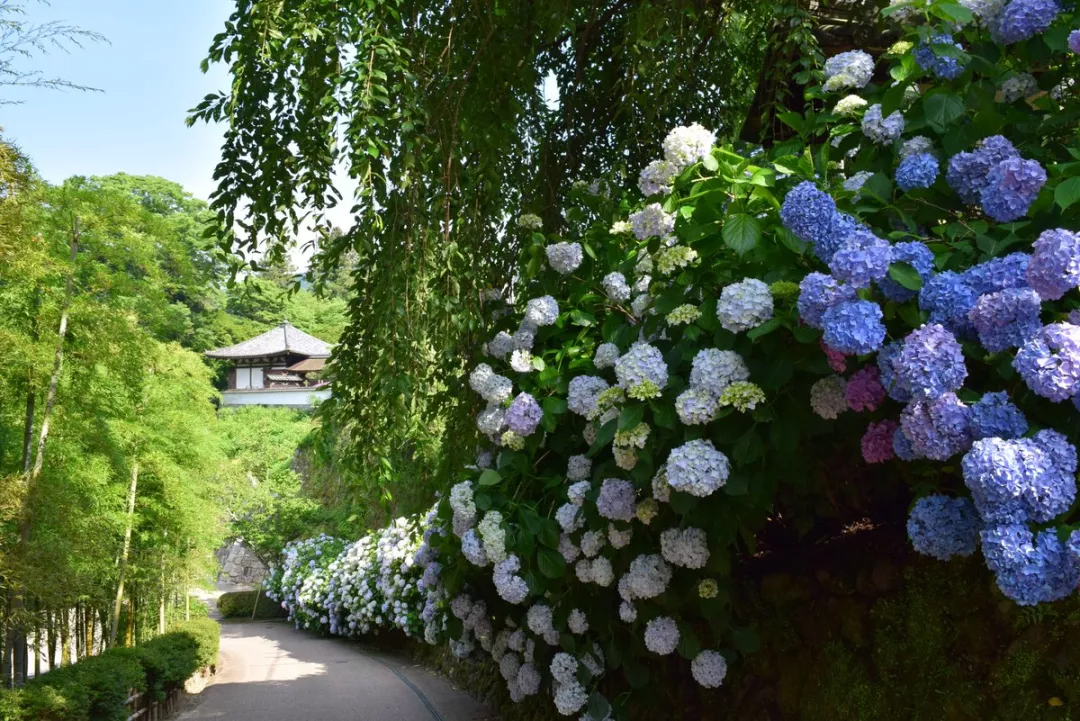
{"x":268,"y":671}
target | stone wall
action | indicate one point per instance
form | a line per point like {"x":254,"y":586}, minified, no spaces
{"x":240,"y":565}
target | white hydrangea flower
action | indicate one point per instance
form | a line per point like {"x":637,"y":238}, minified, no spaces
{"x":985,"y":11}
{"x":493,"y":536}
{"x":616,"y":288}
{"x":661,"y":491}
{"x":697,"y":468}
{"x":657,"y":177}
{"x":616,"y":500}
{"x":578,"y":623}
{"x":473,"y":549}
{"x":627,"y":612}
{"x":695,"y":406}
{"x":714,"y":370}
{"x":576,"y":492}
{"x":1017,"y":87}
{"x":641,"y":285}
{"x":510,"y":586}
{"x":525,"y":336}
{"x":567,"y":549}
{"x":686,"y":547}
{"x":684,"y":315}
{"x":673,"y":258}
{"x":687,"y":145}
{"x":647,"y":577}
{"x":509,"y":665}
{"x":644,"y":265}
{"x":852,"y":69}
{"x":916,"y":146}
{"x":461,"y":502}
{"x":578,"y":468}
{"x":849,"y":105}
{"x":530,"y":222}
{"x":621,"y":227}
{"x":521,"y":361}
{"x":602,"y":572}
{"x":490,"y":420}
{"x":640,"y":304}
{"x":709,"y":669}
{"x":570,"y":518}
{"x":828,"y":397}
{"x":564,"y":257}
{"x":619,"y":538}
{"x":500,"y":345}
{"x":606,"y":355}
{"x":541,"y":311}
{"x":651,"y":221}
{"x":570,"y":697}
{"x":563,"y":667}
{"x":662,"y":635}
{"x":528,"y":679}
{"x":744,"y":305}
{"x":625,"y":458}
{"x":592,"y":542}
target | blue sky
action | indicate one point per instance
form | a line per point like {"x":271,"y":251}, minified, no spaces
{"x":149,"y":72}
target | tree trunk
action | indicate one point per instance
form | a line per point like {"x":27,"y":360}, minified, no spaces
{"x":51,"y":619}
{"x":17,"y":636}
{"x":89,"y":624}
{"x":115,"y":621}
{"x":161,"y":603}
{"x":37,"y":638}
{"x":65,"y":650}
{"x":80,"y":635}
{"x":132,"y":617}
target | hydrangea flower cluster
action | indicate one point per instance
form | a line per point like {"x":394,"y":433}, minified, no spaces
{"x":943,"y":66}
{"x":882,"y":130}
{"x":564,"y":258}
{"x":851,"y":69}
{"x":744,"y":305}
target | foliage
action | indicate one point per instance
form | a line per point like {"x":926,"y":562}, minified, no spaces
{"x":240,"y":604}
{"x":20,"y":41}
{"x":439,"y":115}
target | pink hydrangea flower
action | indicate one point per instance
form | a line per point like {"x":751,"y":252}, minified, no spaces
{"x":877,"y":444}
{"x":836,"y":359}
{"x":864,"y":390}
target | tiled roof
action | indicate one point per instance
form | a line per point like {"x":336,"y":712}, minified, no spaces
{"x":286,"y":338}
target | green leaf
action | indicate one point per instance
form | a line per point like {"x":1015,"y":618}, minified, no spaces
{"x":689,"y":646}
{"x":906,"y":275}
{"x":942,"y":108}
{"x":764,"y":329}
{"x":490,"y":478}
{"x":952,"y":11}
{"x":551,"y":563}
{"x":599,"y":709}
{"x":1067,"y":193}
{"x":710,"y":164}
{"x":746,"y":640}
{"x":631,"y":416}
{"x":580,"y":317}
{"x":878,"y":186}
{"x":741,"y":232}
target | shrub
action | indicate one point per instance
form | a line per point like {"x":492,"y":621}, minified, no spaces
{"x":896,"y":281}
{"x":239,"y":604}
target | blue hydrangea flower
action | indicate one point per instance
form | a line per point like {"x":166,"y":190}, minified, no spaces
{"x":1054,"y":269}
{"x":892,"y":383}
{"x":948,"y":300}
{"x":819,"y":292}
{"x":862,"y":257}
{"x":937,"y":429}
{"x":917,"y":171}
{"x":930,"y":363}
{"x":1006,"y":319}
{"x":996,"y":274}
{"x":902,"y":446}
{"x":1023,"y":19}
{"x":1030,"y":570}
{"x":994,"y":415}
{"x":942,"y":66}
{"x":1021,"y":480}
{"x":809,"y":213}
{"x":843,"y":227}
{"x":1011,"y":187}
{"x":854,"y":327}
{"x":918,"y":256}
{"x":1050,"y":362}
{"x":882,"y":130}
{"x":943,"y":527}
{"x":967,"y":172}
{"x":1074,"y":41}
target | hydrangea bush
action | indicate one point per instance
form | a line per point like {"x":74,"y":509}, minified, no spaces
{"x":899,"y":280}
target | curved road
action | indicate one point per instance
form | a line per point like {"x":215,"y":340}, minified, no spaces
{"x":269,"y":671}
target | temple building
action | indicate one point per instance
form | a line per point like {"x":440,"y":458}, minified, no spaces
{"x":281,"y":367}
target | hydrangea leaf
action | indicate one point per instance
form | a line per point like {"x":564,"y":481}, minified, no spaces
{"x":1067,"y":192}
{"x":551,"y":563}
{"x":906,"y":275}
{"x":741,"y":232}
{"x":942,"y":108}
{"x":598,"y":708}
{"x":490,"y":478}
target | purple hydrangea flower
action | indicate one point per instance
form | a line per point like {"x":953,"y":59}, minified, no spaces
{"x":937,"y":429}
{"x":942,"y":66}
{"x":996,"y":274}
{"x":1074,"y":41}
{"x":836,"y":360}
{"x":967,"y":172}
{"x":616,"y":500}
{"x":918,"y":256}
{"x":1006,"y":319}
{"x":948,"y":300}
{"x":1021,"y":480}
{"x":1055,"y":263}
{"x":994,"y":415}
{"x":524,"y":415}
{"x":819,"y":292}
{"x":877,"y":442}
{"x":1050,"y":362}
{"x":1011,"y":187}
{"x":861,"y":258}
{"x":1023,"y":19}
{"x":930,"y":363}
{"x":1030,"y":569}
{"x":854,"y":327}
{"x":944,"y":527}
{"x":886,"y":360}
{"x":864,"y":391}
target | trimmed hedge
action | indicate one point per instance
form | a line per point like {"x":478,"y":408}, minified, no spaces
{"x":95,"y":688}
{"x":238,"y":604}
